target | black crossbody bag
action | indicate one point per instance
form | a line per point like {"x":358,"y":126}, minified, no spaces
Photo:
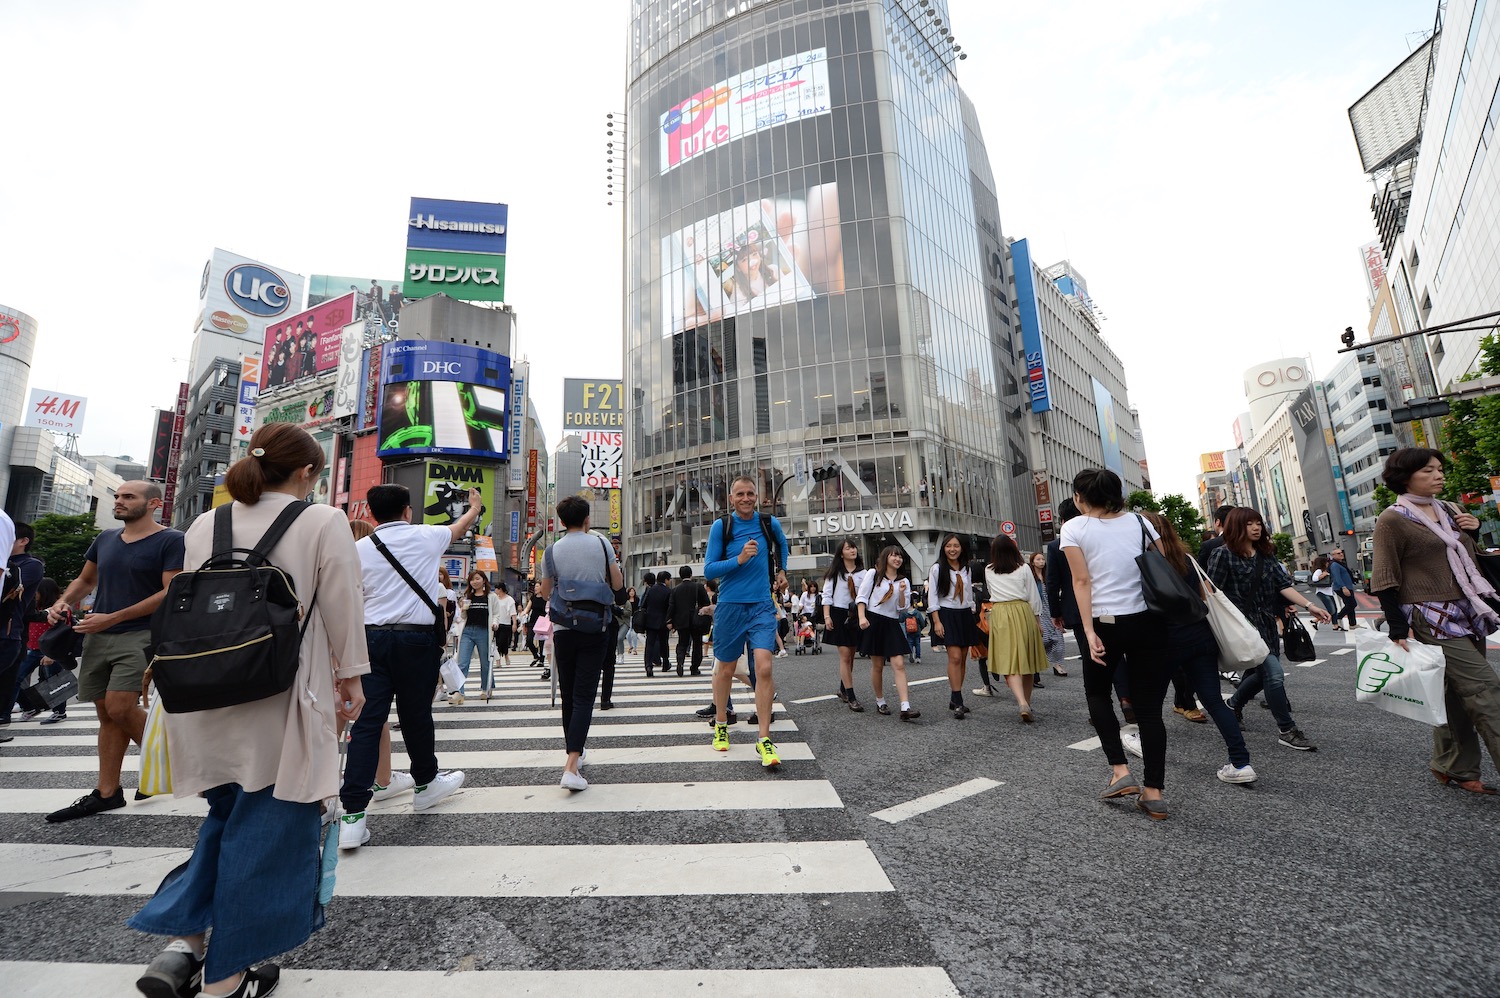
{"x":439,"y":623}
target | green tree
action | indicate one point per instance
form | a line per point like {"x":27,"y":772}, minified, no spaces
{"x":1142,"y":500}
{"x":1185,"y":519}
{"x":1471,"y":432}
{"x":1384,"y":499}
{"x":1285,"y":551}
{"x":61,"y":542}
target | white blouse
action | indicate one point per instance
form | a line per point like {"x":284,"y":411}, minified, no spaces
{"x":844,"y":594}
{"x":1017,"y":585}
{"x":887,"y":597}
{"x":960,"y":593}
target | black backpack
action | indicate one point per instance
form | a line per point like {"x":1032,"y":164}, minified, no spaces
{"x":726,"y":531}
{"x":229,"y":632}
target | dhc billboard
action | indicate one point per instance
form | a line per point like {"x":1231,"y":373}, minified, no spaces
{"x":443,"y":398}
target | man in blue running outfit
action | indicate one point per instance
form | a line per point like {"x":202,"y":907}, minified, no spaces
{"x":745,"y":615}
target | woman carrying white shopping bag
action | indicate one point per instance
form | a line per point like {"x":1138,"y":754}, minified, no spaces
{"x":1429,"y":585}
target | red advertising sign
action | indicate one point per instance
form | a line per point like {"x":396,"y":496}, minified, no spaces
{"x":174,"y":453}
{"x":369,"y":402}
{"x":161,"y":445}
{"x":307,"y":343}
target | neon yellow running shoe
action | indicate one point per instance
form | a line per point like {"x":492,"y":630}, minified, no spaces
{"x":721,"y":738}
{"x":768,"y":756}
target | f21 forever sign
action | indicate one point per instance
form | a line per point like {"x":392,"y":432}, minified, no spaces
{"x":594,"y":409}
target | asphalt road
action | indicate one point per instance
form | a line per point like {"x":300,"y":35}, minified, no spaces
{"x":1346,"y":871}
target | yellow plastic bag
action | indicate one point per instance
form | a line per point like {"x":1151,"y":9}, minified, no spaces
{"x":156,"y":767}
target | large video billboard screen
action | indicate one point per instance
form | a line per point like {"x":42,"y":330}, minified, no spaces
{"x":443,"y":398}
{"x":769,"y":95}
{"x":758,"y":255}
{"x":305,"y":344}
{"x":367,"y":291}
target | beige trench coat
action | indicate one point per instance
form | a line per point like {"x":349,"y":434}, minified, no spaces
{"x":291,"y":739}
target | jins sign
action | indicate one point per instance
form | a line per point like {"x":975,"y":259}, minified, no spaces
{"x":869,"y":521}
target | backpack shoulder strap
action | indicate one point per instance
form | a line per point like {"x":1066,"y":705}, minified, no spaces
{"x":223,"y":532}
{"x":261,"y":554}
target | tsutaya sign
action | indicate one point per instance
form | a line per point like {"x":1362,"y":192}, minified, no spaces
{"x":864,"y":522}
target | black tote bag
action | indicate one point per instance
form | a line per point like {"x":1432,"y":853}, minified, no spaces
{"x":1166,"y":592}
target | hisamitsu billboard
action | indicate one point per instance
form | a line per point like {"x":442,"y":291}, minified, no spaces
{"x":457,"y":226}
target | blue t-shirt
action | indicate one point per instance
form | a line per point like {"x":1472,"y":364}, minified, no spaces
{"x":750,"y":582}
{"x":129,"y":573}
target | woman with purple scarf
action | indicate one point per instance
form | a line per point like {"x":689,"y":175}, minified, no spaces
{"x":1430,"y":586}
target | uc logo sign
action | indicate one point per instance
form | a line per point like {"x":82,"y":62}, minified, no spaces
{"x":257,"y":290}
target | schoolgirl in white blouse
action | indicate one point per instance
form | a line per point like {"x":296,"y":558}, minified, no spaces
{"x":884,"y":596}
{"x":950,"y":594}
{"x":840,"y":625}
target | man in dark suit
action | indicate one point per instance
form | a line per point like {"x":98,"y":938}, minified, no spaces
{"x":655,"y":606}
{"x":1217,"y":540}
{"x":682,"y":611}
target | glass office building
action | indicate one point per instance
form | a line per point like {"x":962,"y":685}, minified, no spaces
{"x":816,"y":285}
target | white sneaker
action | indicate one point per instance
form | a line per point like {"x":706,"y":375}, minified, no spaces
{"x":781,"y":654}
{"x":573,"y":781}
{"x":583,"y":757}
{"x":982,"y":691}
{"x":441,"y":786}
{"x":400,"y":783}
{"x":1132,"y":744}
{"x":352,"y":831}
{"x":1230,"y":773}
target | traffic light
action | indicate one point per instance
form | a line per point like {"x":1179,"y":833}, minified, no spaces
{"x":1419,"y":408}
{"x":826,"y":472}
{"x":1348,"y":337}
{"x":1347,"y":533}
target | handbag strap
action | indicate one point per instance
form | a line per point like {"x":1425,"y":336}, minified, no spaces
{"x":1203,"y":576}
{"x":437,"y":615}
{"x":1145,"y":537}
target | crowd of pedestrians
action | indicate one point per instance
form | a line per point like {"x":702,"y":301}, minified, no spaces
{"x":378,"y":616}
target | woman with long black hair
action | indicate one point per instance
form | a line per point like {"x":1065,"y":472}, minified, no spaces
{"x":950,"y":594}
{"x":884,"y":598}
{"x":1246,"y":570}
{"x":840,"y":594}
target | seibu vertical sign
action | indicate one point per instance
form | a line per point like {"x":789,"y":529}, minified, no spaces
{"x":174,"y":453}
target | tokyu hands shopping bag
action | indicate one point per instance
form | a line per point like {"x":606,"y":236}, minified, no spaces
{"x":1409,"y":683}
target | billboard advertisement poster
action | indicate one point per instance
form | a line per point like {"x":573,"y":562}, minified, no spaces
{"x":1038,"y":388}
{"x":1109,"y":432}
{"x":446,"y":496}
{"x":443,"y":398}
{"x":323,"y":489}
{"x":614,"y":511}
{"x":484,"y":555}
{"x":161,"y":446}
{"x":759,"y":255}
{"x":49,"y":410}
{"x":518,"y":375}
{"x":769,"y":95}
{"x":369,"y":387}
{"x":308,"y":409}
{"x":346,"y":382}
{"x":602,"y":456}
{"x":240,"y":295}
{"x":457,"y":567}
{"x":305,"y":344}
{"x":459,"y":226}
{"x":1211,"y":462}
{"x":373,"y":297}
{"x":465,"y":276}
{"x":249,"y":393}
{"x":174,"y":452}
{"x":531,"y":465}
{"x":593,"y":405}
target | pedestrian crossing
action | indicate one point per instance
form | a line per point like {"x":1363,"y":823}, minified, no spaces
{"x":679,"y":871}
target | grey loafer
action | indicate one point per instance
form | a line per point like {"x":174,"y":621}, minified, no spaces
{"x":1123,"y":787}
{"x":1156,"y":810}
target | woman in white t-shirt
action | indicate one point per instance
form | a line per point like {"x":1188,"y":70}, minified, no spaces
{"x":1016,"y":651}
{"x":1101,"y":546}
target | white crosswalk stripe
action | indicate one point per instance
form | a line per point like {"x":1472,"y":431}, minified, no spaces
{"x":665,"y":817}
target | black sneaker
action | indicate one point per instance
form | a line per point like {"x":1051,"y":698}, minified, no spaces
{"x":607,"y":705}
{"x":258,"y":982}
{"x":1295,"y":739}
{"x":175,"y":971}
{"x":706,"y":711}
{"x":89,"y":804}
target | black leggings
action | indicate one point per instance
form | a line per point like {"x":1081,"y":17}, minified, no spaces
{"x":1137,"y":643}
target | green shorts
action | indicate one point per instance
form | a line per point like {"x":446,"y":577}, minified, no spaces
{"x":112,"y":662}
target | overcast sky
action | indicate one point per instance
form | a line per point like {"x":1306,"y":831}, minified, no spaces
{"x":1191,"y":157}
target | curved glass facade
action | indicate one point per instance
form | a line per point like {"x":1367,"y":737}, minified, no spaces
{"x":806,"y":284}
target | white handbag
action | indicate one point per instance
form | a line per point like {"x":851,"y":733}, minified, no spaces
{"x":1240,"y":645}
{"x":1409,"y":683}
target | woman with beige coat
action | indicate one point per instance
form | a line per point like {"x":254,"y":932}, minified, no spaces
{"x":265,"y":767}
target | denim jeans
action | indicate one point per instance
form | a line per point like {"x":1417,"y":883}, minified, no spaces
{"x":470,"y":640}
{"x":1327,"y":600}
{"x":1268,"y":676}
{"x":403,"y":667}
{"x":1197,"y":653}
{"x":1350,"y":606}
{"x":253,"y":879}
{"x":914,"y":638}
{"x":579,"y":658}
{"x":1135,"y":642}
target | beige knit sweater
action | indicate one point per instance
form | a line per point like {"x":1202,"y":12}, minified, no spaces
{"x":1413,"y":560}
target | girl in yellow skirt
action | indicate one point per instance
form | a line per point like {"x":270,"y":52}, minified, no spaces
{"x":1016,"y":650}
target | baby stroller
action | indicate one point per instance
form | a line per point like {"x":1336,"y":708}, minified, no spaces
{"x":807,"y":635}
